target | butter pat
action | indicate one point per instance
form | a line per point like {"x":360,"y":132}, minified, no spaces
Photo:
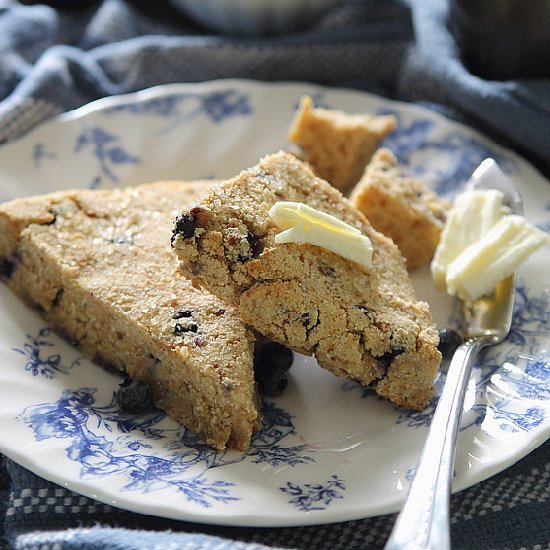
{"x":303,"y":224}
{"x":478,"y":269}
{"x":473,"y":214}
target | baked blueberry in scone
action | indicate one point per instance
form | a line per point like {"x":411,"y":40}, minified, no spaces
{"x":98,"y":266}
{"x":362,"y":323}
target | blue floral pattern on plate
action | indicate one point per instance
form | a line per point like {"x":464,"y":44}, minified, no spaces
{"x":107,"y":150}
{"x":463,"y":152}
{"x":315,"y":496}
{"x":180,"y":461}
{"x":39,"y":363}
{"x":308,"y":462}
{"x":217,"y":105}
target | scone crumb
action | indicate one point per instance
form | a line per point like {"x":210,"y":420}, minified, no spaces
{"x":336,"y":144}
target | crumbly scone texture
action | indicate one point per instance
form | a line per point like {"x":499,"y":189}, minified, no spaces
{"x":98,"y":266}
{"x":362,"y":324}
{"x":338,"y":145}
{"x":402,"y":207}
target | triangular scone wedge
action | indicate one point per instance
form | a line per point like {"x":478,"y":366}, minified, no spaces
{"x":363,"y":324}
{"x":402,"y":207}
{"x":337,"y":145}
{"x":98,"y":265}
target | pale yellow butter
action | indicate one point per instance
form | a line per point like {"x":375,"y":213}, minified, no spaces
{"x":304,"y":224}
{"x":482,"y":244}
{"x":478,"y":269}
{"x":471,"y":217}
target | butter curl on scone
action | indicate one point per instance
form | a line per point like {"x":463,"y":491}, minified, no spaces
{"x":362,"y":324}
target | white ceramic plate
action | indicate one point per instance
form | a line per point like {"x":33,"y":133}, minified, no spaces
{"x":328,"y":451}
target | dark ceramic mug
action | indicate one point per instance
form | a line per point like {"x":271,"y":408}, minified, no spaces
{"x":503,"y":39}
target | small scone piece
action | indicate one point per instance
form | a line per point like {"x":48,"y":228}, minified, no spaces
{"x":362,"y":324}
{"x":401,"y":207}
{"x":338,"y":145}
{"x":98,"y":266}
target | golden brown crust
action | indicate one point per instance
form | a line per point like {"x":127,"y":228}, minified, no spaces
{"x":401,"y":207}
{"x":98,"y":265}
{"x":336,"y":144}
{"x":365,"y":324}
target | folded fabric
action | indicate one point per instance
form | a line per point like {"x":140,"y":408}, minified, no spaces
{"x":56,"y":60}
{"x":121,"y":48}
{"x":509,"y":510}
{"x":102,"y":538}
{"x":517,"y":111}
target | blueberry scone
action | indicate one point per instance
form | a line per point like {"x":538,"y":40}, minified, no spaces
{"x":361,"y":323}
{"x":98,"y":266}
{"x":338,"y":145}
{"x":402,"y":207}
